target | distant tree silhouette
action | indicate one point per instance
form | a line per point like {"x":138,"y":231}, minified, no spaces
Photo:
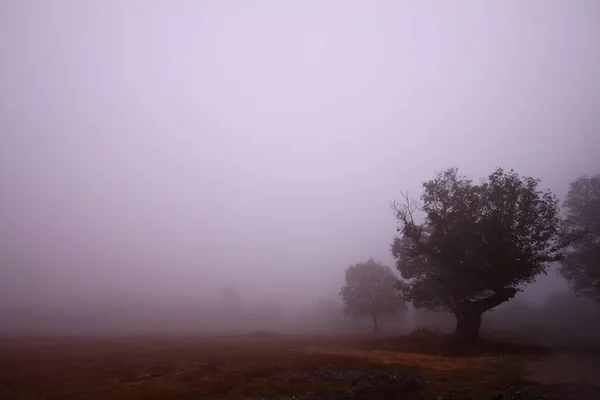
{"x":477,"y":245}
{"x":230,"y":303}
{"x":370,"y":291}
{"x":268,"y":314}
{"x":327,"y":309}
{"x":567,"y":310}
{"x":581,"y":267}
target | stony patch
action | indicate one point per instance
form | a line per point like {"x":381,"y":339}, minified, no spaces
{"x":524,"y":393}
{"x":356,"y":376}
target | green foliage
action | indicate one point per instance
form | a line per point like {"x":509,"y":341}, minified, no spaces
{"x":478,"y":244}
{"x":581,"y":267}
{"x":370,"y":291}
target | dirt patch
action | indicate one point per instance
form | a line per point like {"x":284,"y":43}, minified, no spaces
{"x":569,"y":391}
{"x":565,"y":369}
{"x":573,"y":376}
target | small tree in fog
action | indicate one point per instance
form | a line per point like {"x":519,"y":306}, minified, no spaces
{"x":328,"y":309}
{"x":581,"y":267}
{"x":231,"y":303}
{"x":478,"y":244}
{"x":370,"y":292}
{"x":268,"y":314}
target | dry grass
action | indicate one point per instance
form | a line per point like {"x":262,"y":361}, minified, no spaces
{"x":230,"y":368}
{"x":422,"y":362}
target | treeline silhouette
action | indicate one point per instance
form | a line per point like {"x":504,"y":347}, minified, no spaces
{"x":227,"y":313}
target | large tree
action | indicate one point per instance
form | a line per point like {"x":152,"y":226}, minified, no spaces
{"x":477,"y":245}
{"x":370,"y":291}
{"x":581,"y":267}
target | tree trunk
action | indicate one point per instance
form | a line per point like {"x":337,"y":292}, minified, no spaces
{"x":375,"y":324}
{"x":468,"y":322}
{"x":468,"y":314}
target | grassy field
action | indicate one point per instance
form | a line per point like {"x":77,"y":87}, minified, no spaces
{"x":257,"y":366}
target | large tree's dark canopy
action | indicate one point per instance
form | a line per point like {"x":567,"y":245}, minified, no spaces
{"x":370,"y":291}
{"x":581,"y":267}
{"x":478,"y":244}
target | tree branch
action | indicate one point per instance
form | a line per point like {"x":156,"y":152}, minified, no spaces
{"x":405,"y":211}
{"x":499,"y":297}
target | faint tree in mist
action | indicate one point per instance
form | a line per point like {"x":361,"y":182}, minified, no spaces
{"x":326,"y":309}
{"x":478,"y":244}
{"x":581,"y":266}
{"x":370,"y":291}
{"x":230,"y":305}
{"x":267,"y":314}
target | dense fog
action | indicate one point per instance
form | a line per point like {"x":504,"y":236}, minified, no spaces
{"x":215,"y":166}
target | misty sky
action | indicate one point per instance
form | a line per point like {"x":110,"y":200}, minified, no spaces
{"x":161,"y":146}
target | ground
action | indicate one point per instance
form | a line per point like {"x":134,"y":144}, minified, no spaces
{"x":265,"y":366}
{"x":573,"y":375}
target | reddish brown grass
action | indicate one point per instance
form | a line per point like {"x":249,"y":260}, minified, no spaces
{"x":216,"y":368}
